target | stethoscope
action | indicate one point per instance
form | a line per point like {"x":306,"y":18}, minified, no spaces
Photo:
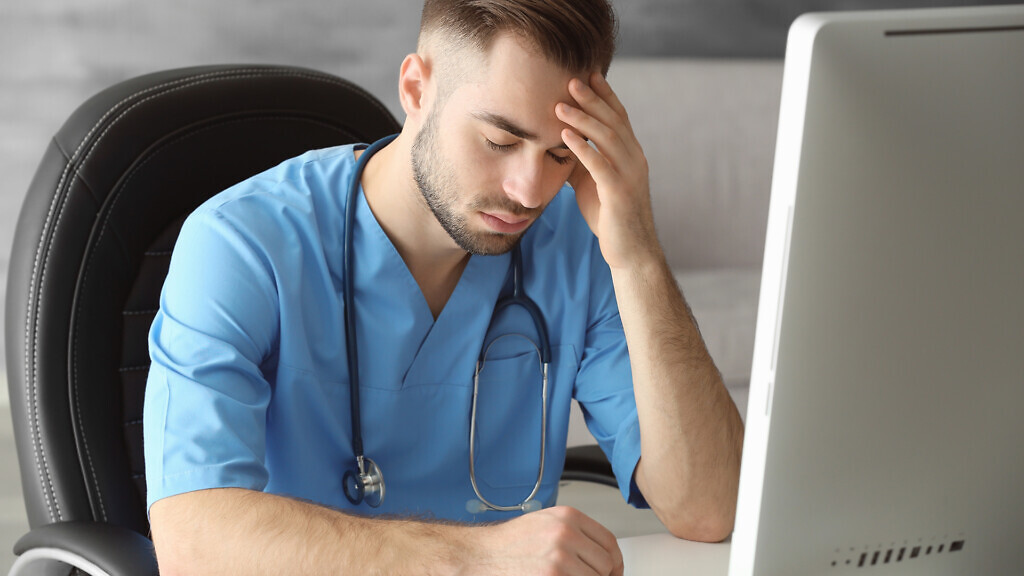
{"x":365,"y":482}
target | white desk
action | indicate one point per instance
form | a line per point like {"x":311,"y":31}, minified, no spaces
{"x":665,"y":555}
{"x":647,"y":548}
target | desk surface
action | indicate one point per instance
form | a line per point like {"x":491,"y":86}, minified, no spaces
{"x":664,"y":554}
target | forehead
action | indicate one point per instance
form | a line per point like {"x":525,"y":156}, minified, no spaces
{"x":516,"y":81}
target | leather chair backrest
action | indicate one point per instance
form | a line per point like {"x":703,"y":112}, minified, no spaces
{"x":92,"y":248}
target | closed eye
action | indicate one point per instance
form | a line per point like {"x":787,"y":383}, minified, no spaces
{"x":561,"y":160}
{"x":500,"y":147}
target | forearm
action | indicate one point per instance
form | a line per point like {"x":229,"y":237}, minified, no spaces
{"x":691,"y":432}
{"x":234,"y":531}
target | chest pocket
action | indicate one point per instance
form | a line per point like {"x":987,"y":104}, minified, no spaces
{"x":508,"y":420}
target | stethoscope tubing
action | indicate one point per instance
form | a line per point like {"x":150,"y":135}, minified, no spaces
{"x":543,"y":433}
{"x":351,"y":348}
{"x":520,"y":298}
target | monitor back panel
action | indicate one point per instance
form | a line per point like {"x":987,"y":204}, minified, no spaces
{"x":885,"y":428}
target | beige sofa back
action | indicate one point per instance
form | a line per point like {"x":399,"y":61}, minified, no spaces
{"x":708,"y":130}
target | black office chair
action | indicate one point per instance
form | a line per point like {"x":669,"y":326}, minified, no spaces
{"x":90,"y":255}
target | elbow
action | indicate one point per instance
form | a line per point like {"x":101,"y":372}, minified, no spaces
{"x":701,"y":529}
{"x":184,"y":556}
{"x":704,"y":521}
{"x":702,"y":517}
{"x":178,"y":537}
{"x":172,"y":555}
{"x":171,"y":569}
{"x":168,"y":562}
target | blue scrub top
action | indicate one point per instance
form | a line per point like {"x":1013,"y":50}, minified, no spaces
{"x":249,"y":381}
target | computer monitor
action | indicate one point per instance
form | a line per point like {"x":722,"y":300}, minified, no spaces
{"x":885,"y":424}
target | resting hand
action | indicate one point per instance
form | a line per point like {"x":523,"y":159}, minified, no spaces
{"x":559,"y":540}
{"x":611,"y":182}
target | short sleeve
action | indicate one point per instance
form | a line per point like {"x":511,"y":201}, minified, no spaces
{"x":604,"y":384}
{"x":204,"y":419}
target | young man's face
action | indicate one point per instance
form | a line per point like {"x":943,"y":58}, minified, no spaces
{"x":491,"y":158}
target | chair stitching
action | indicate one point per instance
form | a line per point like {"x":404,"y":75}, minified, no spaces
{"x":31,"y":366}
{"x":60,"y":196}
{"x":42,"y":467}
{"x":133,"y":368}
{"x":138,"y":312}
{"x":30,"y":370}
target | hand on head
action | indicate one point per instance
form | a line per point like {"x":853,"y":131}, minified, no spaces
{"x":611,"y":179}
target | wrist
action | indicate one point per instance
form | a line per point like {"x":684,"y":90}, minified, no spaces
{"x":415,"y":547}
{"x":473,"y":548}
{"x":642,"y":266}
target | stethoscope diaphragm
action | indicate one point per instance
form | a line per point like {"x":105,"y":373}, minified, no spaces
{"x":365,"y":484}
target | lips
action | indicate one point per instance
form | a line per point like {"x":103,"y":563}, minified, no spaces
{"x":505,"y":223}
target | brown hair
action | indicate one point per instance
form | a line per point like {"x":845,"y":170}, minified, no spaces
{"x":578,"y":35}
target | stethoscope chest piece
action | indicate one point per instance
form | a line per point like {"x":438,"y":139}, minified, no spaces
{"x":365,"y":484}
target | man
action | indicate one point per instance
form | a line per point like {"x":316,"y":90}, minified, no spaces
{"x":247,"y":423}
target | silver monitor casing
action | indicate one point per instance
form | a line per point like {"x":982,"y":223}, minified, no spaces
{"x":886,"y":408}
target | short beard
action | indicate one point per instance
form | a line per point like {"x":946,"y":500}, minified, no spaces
{"x":436,"y":182}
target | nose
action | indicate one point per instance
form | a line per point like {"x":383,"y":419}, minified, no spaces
{"x":523,"y":182}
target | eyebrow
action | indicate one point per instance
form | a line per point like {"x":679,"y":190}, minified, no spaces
{"x":503,"y":123}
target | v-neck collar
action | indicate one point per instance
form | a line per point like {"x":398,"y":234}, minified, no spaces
{"x":446,"y":349}
{"x":450,"y":349}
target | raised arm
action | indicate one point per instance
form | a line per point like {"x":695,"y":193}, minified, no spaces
{"x":691,"y":432}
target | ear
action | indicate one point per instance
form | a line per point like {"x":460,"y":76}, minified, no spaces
{"x":413,"y":86}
